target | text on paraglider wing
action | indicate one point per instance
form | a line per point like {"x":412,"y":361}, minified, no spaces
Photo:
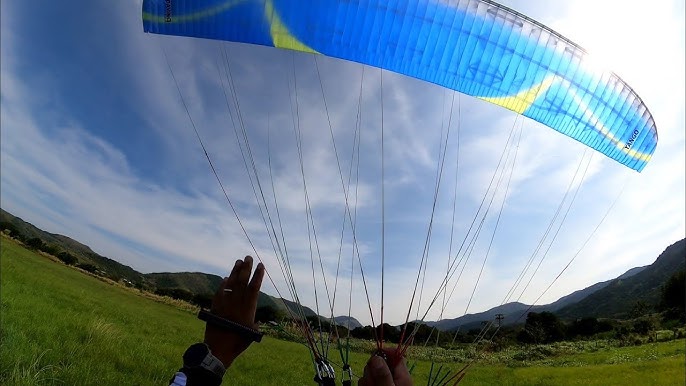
{"x":631,"y":140}
{"x":167,"y":11}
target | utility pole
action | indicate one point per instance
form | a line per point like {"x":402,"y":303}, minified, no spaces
{"x":499,"y":318}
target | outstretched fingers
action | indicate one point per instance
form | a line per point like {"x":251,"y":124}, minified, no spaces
{"x":230,"y":281}
{"x":256,"y":283}
{"x":244,"y":273}
{"x":236,"y":301}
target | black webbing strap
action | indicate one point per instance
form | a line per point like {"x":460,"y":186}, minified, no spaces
{"x":246,"y":332}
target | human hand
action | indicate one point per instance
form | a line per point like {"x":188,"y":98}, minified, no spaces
{"x":237,"y":305}
{"x":377,"y":372}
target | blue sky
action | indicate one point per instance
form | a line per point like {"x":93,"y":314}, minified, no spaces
{"x":96,"y":145}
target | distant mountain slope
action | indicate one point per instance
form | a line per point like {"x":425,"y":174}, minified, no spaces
{"x":612,"y":298}
{"x":207,"y":284}
{"x":113,"y":269}
{"x":195,"y":282}
{"x":466,"y":322}
{"x":577,"y":296}
{"x":29,"y":231}
{"x":617,"y":298}
{"x":347,"y":321}
{"x":514,"y":312}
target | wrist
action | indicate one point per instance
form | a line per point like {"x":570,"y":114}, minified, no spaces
{"x":203,"y":367}
{"x":227,"y":339}
{"x":221,"y":352}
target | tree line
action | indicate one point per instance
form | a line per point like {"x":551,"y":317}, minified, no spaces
{"x":543,"y":327}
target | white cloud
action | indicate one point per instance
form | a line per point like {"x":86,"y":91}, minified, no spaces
{"x":66,"y":179}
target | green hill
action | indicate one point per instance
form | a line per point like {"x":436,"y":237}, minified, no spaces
{"x":197,"y":283}
{"x":617,"y":299}
{"x":111,"y":268}
{"x":194,"y":282}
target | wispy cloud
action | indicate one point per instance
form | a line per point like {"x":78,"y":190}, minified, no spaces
{"x":130,"y":179}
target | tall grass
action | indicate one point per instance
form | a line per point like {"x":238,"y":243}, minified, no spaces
{"x":59,"y":326}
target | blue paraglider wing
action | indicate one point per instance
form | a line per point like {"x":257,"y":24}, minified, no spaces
{"x":476,"y":47}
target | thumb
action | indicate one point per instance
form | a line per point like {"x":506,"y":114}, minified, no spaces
{"x":380,"y":372}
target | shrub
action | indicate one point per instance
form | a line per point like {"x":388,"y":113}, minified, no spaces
{"x":10,"y":229}
{"x":34,"y":243}
{"x":643,"y":326}
{"x":202,"y":300}
{"x":639,"y":308}
{"x":533,"y":353}
{"x":673,"y":297}
{"x":269,"y":314}
{"x":175,"y":293}
{"x":366,"y":332}
{"x":542,"y":327}
{"x":67,"y":258}
{"x":389,"y":333}
{"x":87,"y":267}
{"x":49,"y":249}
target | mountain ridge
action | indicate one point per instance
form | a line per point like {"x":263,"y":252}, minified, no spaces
{"x":513,"y":312}
{"x":573,"y":305}
{"x":617,"y":299}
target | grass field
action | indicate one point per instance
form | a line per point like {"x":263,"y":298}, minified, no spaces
{"x":60,"y":326}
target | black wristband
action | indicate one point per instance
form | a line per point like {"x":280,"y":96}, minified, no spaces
{"x":246,"y":332}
